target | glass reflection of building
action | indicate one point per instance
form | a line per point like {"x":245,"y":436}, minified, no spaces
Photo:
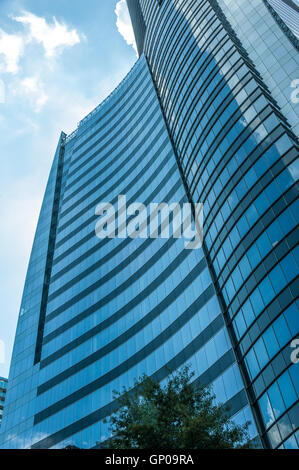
{"x":223,"y":70}
{"x":3,"y":387}
{"x":198,"y":118}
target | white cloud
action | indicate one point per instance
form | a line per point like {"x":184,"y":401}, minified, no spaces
{"x":11,"y":50}
{"x":123,"y":23}
{"x":54,"y":37}
{"x":30,"y":84}
{"x":34,"y":88}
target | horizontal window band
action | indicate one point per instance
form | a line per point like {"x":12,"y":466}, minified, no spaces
{"x":104,"y":260}
{"x":116,"y":270}
{"x":231,"y":97}
{"x":219,"y":112}
{"x":255,"y":279}
{"x":219,"y":64}
{"x":170,"y":298}
{"x":252,"y":194}
{"x":251,"y":158}
{"x":136,"y":358}
{"x":213,"y":73}
{"x":236,"y":403}
{"x":280,"y":362}
{"x":211,"y":374}
{"x":245,"y":244}
{"x":177,"y":97}
{"x":266,"y":377}
{"x":133,"y":303}
{"x":94,"y":248}
{"x":167,"y":333}
{"x":106,"y":157}
{"x":102,"y":197}
{"x":173,"y":26}
{"x":277,"y":207}
{"x":170,"y":71}
{"x":113,"y":132}
{"x":230,"y":152}
{"x":179,"y":101}
{"x":134,"y":198}
{"x":285,"y":297}
{"x":141,"y":103}
{"x":127,"y":125}
{"x":230,"y":123}
{"x":281,"y":301}
{"x":128,"y":282}
{"x":266,"y":264}
{"x":290,"y":415}
{"x":279,"y":304}
{"x":102,"y":244}
{"x":124,"y":99}
{"x":119,"y":168}
{"x":243,"y":204}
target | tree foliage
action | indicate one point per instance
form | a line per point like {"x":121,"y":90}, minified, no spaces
{"x":177,"y":415}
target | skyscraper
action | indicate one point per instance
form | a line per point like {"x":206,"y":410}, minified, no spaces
{"x":3,"y":387}
{"x":205,"y":115}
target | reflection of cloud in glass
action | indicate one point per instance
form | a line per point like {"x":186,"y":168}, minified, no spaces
{"x":270,"y":413}
{"x":294,"y":170}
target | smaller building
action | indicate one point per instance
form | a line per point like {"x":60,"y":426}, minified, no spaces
{"x":3,"y":387}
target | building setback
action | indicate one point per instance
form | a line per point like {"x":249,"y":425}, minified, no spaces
{"x":205,"y":115}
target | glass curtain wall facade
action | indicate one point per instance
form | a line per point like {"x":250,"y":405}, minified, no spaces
{"x":288,"y":12}
{"x":195,"y":120}
{"x":110,"y":310}
{"x":234,"y":131}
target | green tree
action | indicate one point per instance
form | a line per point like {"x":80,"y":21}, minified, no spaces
{"x":177,"y":415}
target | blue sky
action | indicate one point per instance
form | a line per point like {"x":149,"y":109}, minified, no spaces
{"x":58,"y":60}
